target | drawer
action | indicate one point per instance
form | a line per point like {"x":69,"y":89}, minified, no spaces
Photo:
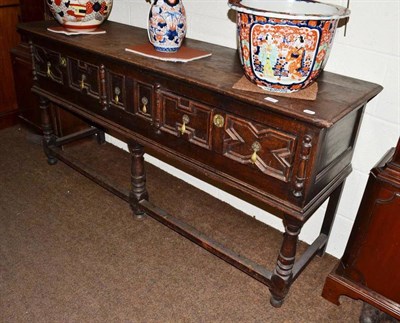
{"x":83,"y":77}
{"x":49,"y":64}
{"x":265,"y":157}
{"x":127,"y":97}
{"x":116,"y":90}
{"x":185,"y":118}
{"x":66,"y":77}
{"x":269,"y":149}
{"x":144,"y":100}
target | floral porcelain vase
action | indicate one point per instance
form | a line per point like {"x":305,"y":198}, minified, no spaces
{"x":167,"y":25}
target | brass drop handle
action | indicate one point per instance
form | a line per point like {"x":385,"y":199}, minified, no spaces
{"x":256,"y":148}
{"x":117,"y":92}
{"x":63,"y":61}
{"x":48,"y":69}
{"x":82,"y":82}
{"x":145,"y":101}
{"x":185,"y":121}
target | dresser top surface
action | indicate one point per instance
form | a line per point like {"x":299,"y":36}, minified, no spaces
{"x":337,"y":95}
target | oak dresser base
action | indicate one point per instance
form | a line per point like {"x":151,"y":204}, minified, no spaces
{"x":287,"y":157}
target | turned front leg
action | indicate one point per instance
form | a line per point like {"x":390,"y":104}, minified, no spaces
{"x":282,"y":276}
{"x":48,"y":135}
{"x":138,"y":179}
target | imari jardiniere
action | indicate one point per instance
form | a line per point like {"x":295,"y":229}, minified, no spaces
{"x":284,"y":45}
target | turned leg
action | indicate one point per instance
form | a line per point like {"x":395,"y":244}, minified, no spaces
{"x":282,"y":276}
{"x":138,"y":179}
{"x":48,"y":135}
{"x":101,"y":137}
{"x":330,"y":214}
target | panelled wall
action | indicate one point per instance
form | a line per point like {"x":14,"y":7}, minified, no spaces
{"x":370,"y":50}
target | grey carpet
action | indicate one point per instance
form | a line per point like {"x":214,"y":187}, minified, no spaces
{"x":70,"y":251}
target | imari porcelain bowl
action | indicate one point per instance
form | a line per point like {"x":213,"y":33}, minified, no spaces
{"x":284,"y":44}
{"x":80,"y":15}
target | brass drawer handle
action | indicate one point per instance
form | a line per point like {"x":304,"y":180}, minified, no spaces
{"x":48,"y":69}
{"x":219,"y":121}
{"x":82,"y":82}
{"x":185,"y":121}
{"x":256,"y":148}
{"x":63,"y":61}
{"x":145,"y":101}
{"x":117,"y":92}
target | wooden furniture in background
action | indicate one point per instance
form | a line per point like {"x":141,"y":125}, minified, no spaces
{"x":9,"y":11}
{"x":33,"y":10}
{"x":286,"y":156}
{"x":27,"y":102}
{"x":370,"y":267}
{"x":30,"y":10}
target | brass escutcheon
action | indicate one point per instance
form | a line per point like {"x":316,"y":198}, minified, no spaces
{"x":219,"y":121}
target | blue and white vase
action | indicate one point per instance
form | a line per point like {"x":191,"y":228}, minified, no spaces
{"x":167,"y":25}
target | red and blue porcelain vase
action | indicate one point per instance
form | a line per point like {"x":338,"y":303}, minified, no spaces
{"x":167,"y":25}
{"x":80,"y":15}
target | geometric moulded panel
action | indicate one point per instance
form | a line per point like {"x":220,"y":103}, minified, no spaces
{"x":269,"y":149}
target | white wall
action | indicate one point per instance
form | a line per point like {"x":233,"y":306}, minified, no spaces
{"x":369,"y":51}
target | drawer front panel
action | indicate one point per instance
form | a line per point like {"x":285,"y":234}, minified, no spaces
{"x":185,"y":118}
{"x":84,"y":77}
{"x":144,"y":106}
{"x":270,"y":150}
{"x":48,"y":64}
{"x":116,"y":91}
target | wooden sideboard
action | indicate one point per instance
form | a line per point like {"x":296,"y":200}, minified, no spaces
{"x":287,"y":157}
{"x":370,"y":267}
